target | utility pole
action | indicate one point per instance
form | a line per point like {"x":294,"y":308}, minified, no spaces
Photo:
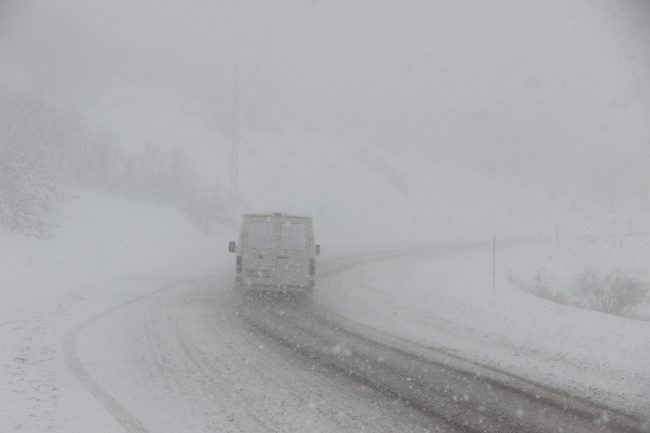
{"x":494,"y":262}
{"x":235,"y":145}
{"x":234,"y":156}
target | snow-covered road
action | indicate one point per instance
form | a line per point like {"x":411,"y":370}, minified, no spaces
{"x":196,"y":356}
{"x":190,"y":358}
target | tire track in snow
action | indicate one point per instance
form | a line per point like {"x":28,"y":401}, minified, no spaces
{"x":211,"y":383}
{"x":517,"y":404}
{"x":129,"y":422}
{"x":465,"y":396}
{"x":263,"y":388}
{"x":252,"y":382}
{"x":224,"y":380}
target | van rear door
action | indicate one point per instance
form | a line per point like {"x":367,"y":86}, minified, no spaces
{"x":293,"y":253}
{"x":259,"y":252}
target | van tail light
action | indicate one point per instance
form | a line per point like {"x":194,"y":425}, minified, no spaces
{"x":239,"y":266}
{"x":312,"y":267}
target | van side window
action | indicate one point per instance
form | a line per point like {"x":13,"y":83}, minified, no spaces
{"x":261,"y":235}
{"x":293,"y":236}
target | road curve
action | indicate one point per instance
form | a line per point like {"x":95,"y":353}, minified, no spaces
{"x":227,"y":361}
{"x":127,"y":420}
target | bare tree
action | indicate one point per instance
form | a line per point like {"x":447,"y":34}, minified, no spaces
{"x":616,"y":293}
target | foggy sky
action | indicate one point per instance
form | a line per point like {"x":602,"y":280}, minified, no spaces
{"x":555,"y":93}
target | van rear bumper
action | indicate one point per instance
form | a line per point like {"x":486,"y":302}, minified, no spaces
{"x":274,"y":288}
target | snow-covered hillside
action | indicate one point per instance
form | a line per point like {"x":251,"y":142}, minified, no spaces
{"x":361,"y":195}
{"x":365,"y":197}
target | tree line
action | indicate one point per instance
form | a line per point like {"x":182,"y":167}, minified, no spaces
{"x":44,"y":147}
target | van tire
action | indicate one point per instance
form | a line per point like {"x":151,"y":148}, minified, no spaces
{"x":304,"y":298}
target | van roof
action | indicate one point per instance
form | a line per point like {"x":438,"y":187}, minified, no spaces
{"x":274,"y":214}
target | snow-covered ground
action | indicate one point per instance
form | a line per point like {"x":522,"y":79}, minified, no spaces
{"x":108,"y":250}
{"x":445,"y":300}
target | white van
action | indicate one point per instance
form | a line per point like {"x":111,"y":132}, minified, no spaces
{"x":276,"y":252}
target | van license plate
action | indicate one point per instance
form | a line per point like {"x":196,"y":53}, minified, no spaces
{"x":257,"y":273}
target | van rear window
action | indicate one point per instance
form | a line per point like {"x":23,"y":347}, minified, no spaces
{"x":293,"y":236}
{"x":261,"y":235}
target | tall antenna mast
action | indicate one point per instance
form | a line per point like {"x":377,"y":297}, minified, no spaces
{"x":235,"y":144}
